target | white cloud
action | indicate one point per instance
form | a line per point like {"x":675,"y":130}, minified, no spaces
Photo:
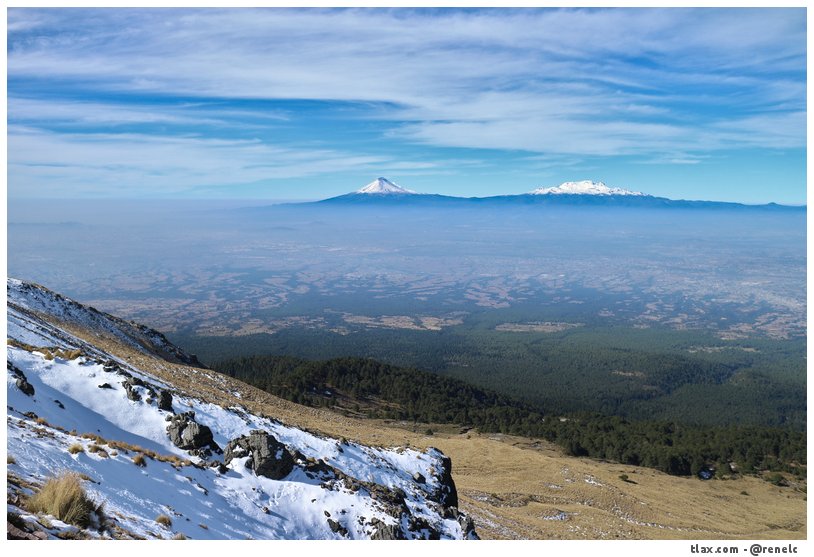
{"x":648,"y":83}
{"x":44,"y":163}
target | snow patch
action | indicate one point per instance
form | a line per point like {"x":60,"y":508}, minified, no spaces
{"x":381,"y":186}
{"x":584,"y":187}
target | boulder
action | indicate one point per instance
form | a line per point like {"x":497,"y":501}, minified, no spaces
{"x":129,"y":387}
{"x":24,"y":386}
{"x":269,"y":457}
{"x":384,"y":531}
{"x":21,"y":380}
{"x":421,"y":527}
{"x":337,"y":528}
{"x":111,"y":367}
{"x":165,"y":400}
{"x":185,"y":433}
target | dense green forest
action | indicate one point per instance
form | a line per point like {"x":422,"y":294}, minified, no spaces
{"x":380,"y":390}
{"x":687,"y":377}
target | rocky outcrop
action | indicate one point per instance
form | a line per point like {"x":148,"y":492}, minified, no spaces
{"x":20,"y":379}
{"x":129,"y":387}
{"x":446,"y":494}
{"x":467,"y":527}
{"x":337,"y":528}
{"x":269,"y":457}
{"x":382,"y":531}
{"x":165,"y":400}
{"x":185,"y":433}
{"x":111,"y":367}
{"x":15,"y":533}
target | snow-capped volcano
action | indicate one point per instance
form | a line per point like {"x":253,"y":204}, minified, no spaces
{"x":381,"y":186}
{"x":584,"y":187}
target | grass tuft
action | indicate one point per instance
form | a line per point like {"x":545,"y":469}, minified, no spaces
{"x":65,"y":498}
{"x":99,"y":451}
{"x":76,"y":448}
{"x":164,"y":521}
{"x":139,"y":460}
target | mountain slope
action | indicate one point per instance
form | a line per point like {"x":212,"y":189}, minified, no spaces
{"x":384,"y":193}
{"x":147,"y":447}
{"x":584,"y":187}
{"x":31,"y":299}
{"x":383,"y":186}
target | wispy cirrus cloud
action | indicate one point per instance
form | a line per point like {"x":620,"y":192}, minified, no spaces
{"x":155,"y":164}
{"x":662,"y":85}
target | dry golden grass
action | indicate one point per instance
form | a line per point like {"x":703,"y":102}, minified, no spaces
{"x":65,"y":498}
{"x":125,"y":447}
{"x":139,"y":460}
{"x":98,"y":451}
{"x":164,"y":521}
{"x":48,"y":352}
{"x":513,"y":487}
{"x":76,"y":448}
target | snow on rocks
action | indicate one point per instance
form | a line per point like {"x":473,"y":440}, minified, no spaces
{"x":146,"y":454}
{"x":30,"y":298}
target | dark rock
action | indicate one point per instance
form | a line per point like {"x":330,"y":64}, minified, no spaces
{"x":165,"y":400}
{"x":105,"y":386}
{"x":269,"y":457}
{"x":419,"y":478}
{"x":111,"y":367}
{"x":14,"y":533}
{"x":386,"y":531}
{"x":58,"y":403}
{"x":421,"y":526}
{"x":22,"y":382}
{"x":320,"y":469}
{"x":185,"y":433}
{"x":25,"y":387}
{"x":129,"y":387}
{"x":467,"y":527}
{"x":446,"y":494}
{"x":337,"y":528}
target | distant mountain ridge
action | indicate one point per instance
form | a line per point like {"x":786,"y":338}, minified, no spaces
{"x":382,"y":192}
{"x":585,"y":187}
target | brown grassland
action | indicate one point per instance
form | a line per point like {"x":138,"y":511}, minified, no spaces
{"x":519,"y":488}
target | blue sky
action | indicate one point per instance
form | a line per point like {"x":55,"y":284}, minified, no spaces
{"x":306,"y":104}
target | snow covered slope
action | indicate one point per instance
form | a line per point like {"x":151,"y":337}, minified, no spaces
{"x":584,"y":187}
{"x":30,"y":298}
{"x":383,"y":186}
{"x":147,"y":450}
